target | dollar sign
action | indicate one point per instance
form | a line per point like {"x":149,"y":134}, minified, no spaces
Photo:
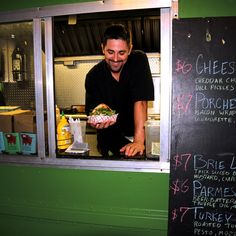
{"x":174,"y":214}
{"x":175,"y":186}
{"x":182,"y":66}
{"x":177,"y":162}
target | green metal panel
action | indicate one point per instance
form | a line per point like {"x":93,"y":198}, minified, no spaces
{"x":23,"y":4}
{"x":37,"y":227}
{"x":206,"y":8}
{"x":187,"y":8}
{"x":40,"y":227}
{"x":58,"y":201}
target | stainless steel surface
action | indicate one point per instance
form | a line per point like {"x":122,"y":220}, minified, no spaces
{"x":78,"y":8}
{"x":75,"y":116}
{"x":11,"y":36}
{"x":84,"y":37}
{"x":89,"y":164}
{"x":166,"y":71}
{"x":50,"y":87}
{"x":39,"y":87}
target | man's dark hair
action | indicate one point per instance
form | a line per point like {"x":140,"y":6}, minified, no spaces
{"x":117,"y":31}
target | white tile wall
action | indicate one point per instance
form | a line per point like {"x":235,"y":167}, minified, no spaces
{"x":69,"y":80}
{"x":69,"y":83}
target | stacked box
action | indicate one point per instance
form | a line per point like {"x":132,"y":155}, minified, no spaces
{"x":25,"y":122}
{"x":2,"y":146}
{"x":6,"y":123}
{"x":12,"y":143}
{"x":28,"y":143}
{"x":7,"y":119}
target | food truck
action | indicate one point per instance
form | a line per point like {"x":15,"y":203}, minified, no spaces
{"x":46,"y":50}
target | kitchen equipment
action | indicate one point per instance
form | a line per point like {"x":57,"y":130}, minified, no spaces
{"x":79,"y":108}
{"x":8,"y":108}
{"x":152,"y":138}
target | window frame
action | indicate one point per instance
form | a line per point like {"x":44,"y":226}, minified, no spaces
{"x":168,"y":10}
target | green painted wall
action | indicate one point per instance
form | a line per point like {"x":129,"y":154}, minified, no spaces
{"x":22,"y":4}
{"x":54,"y":201}
{"x":206,"y":8}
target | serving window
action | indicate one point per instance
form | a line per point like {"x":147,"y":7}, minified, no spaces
{"x":17,"y":111}
{"x":70,"y":101}
{"x":63,"y":59}
{"x":77,"y":49}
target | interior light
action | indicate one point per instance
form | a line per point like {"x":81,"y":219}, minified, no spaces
{"x":72,"y":20}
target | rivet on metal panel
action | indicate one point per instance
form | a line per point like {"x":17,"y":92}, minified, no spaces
{"x":174,"y":9}
{"x":208,"y":36}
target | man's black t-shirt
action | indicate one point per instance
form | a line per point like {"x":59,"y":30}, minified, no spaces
{"x":135,"y":84}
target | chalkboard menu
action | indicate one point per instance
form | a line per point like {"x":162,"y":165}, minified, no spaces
{"x":203,"y":130}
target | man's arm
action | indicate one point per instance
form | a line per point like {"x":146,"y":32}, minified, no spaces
{"x":140,"y":116}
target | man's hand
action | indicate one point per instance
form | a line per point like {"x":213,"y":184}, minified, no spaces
{"x":140,"y":116}
{"x":132,"y":149}
{"x":102,"y":125}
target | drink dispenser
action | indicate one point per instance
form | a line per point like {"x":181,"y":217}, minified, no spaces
{"x":152,"y":138}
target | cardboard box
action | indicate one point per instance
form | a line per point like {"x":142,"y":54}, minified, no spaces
{"x":28,"y":143}
{"x":7,"y":119}
{"x":25,"y":122}
{"x":6,"y":123}
{"x":12,"y":143}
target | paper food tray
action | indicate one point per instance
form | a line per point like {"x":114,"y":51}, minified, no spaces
{"x":77,"y":148}
{"x":101,"y":118}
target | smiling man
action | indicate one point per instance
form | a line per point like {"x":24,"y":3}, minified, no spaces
{"x":121,"y":82}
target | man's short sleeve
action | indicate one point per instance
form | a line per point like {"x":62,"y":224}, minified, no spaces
{"x":142,"y":83}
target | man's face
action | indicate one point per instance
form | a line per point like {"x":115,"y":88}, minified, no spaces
{"x":116,"y":53}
